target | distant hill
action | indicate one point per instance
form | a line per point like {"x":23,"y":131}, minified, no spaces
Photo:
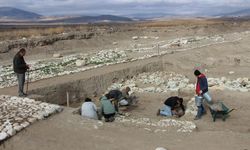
{"x":10,"y":13}
{"x":90,"y":19}
{"x":240,"y":13}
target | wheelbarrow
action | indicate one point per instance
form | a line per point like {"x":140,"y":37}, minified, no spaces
{"x":219,"y":110}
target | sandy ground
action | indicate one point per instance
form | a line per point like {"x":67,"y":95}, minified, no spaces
{"x":68,"y":131}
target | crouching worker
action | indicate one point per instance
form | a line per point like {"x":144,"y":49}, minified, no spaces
{"x":127,"y":98}
{"x":121,"y":98}
{"x":115,"y":96}
{"x":202,"y":93}
{"x":89,"y":109}
{"x":107,"y":109}
{"x":173,"y":106}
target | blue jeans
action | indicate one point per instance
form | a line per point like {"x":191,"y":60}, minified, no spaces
{"x":166,"y":111}
{"x":199,"y":103}
{"x":201,"y":111}
{"x":21,"y":80}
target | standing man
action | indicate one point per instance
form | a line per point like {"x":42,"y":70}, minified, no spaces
{"x":20,"y":67}
{"x":202,"y":93}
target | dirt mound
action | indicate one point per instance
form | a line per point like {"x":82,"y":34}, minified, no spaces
{"x":6,"y":46}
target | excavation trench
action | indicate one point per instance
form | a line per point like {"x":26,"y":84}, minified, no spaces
{"x":97,"y":84}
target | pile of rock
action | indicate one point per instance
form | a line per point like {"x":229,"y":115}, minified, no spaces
{"x":17,"y":113}
{"x":163,"y":82}
{"x":239,"y":84}
{"x":107,"y":56}
{"x":157,"y":82}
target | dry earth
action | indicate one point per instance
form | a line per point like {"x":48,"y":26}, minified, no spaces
{"x":70,"y":131}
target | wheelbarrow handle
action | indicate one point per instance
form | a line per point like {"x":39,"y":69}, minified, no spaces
{"x":230,"y":111}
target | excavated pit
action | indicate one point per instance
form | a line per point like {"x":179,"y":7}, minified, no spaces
{"x":86,"y":87}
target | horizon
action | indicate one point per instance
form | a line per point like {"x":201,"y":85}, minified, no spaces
{"x":129,"y":8}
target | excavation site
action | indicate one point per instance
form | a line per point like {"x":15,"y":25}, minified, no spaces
{"x":155,"y":59}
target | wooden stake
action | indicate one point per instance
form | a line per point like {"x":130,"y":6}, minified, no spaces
{"x":67,"y":99}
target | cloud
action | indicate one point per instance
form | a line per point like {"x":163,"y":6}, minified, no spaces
{"x":126,"y":7}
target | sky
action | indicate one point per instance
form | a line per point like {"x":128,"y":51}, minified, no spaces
{"x":128,"y":7}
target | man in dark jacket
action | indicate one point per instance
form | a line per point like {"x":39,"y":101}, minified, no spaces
{"x":20,"y":67}
{"x":116,"y":95}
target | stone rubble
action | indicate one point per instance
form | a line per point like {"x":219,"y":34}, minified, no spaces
{"x":18,"y":113}
{"x":239,"y":84}
{"x":163,"y":82}
{"x":63,"y":66}
{"x":157,"y":82}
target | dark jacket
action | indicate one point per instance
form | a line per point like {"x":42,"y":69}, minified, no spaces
{"x":116,"y":94}
{"x":19,"y":65}
{"x":172,"y":103}
{"x":201,"y":84}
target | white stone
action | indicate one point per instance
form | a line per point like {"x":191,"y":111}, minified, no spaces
{"x":80,"y":63}
{"x":14,"y":98}
{"x":3,"y":135}
{"x":57,"y":55}
{"x":1,"y":79}
{"x":160,"y":148}
{"x":231,"y":72}
{"x":243,"y":90}
{"x":25,"y":124}
{"x":31,"y":120}
{"x":18,"y":128}
{"x":114,"y":43}
{"x":100,"y":123}
{"x":135,"y":37}
{"x":11,"y":132}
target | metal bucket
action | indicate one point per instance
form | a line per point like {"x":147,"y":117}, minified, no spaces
{"x":198,"y":100}
{"x":207,"y":97}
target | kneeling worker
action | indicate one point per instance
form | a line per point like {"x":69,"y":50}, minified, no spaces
{"x":173,"y":106}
